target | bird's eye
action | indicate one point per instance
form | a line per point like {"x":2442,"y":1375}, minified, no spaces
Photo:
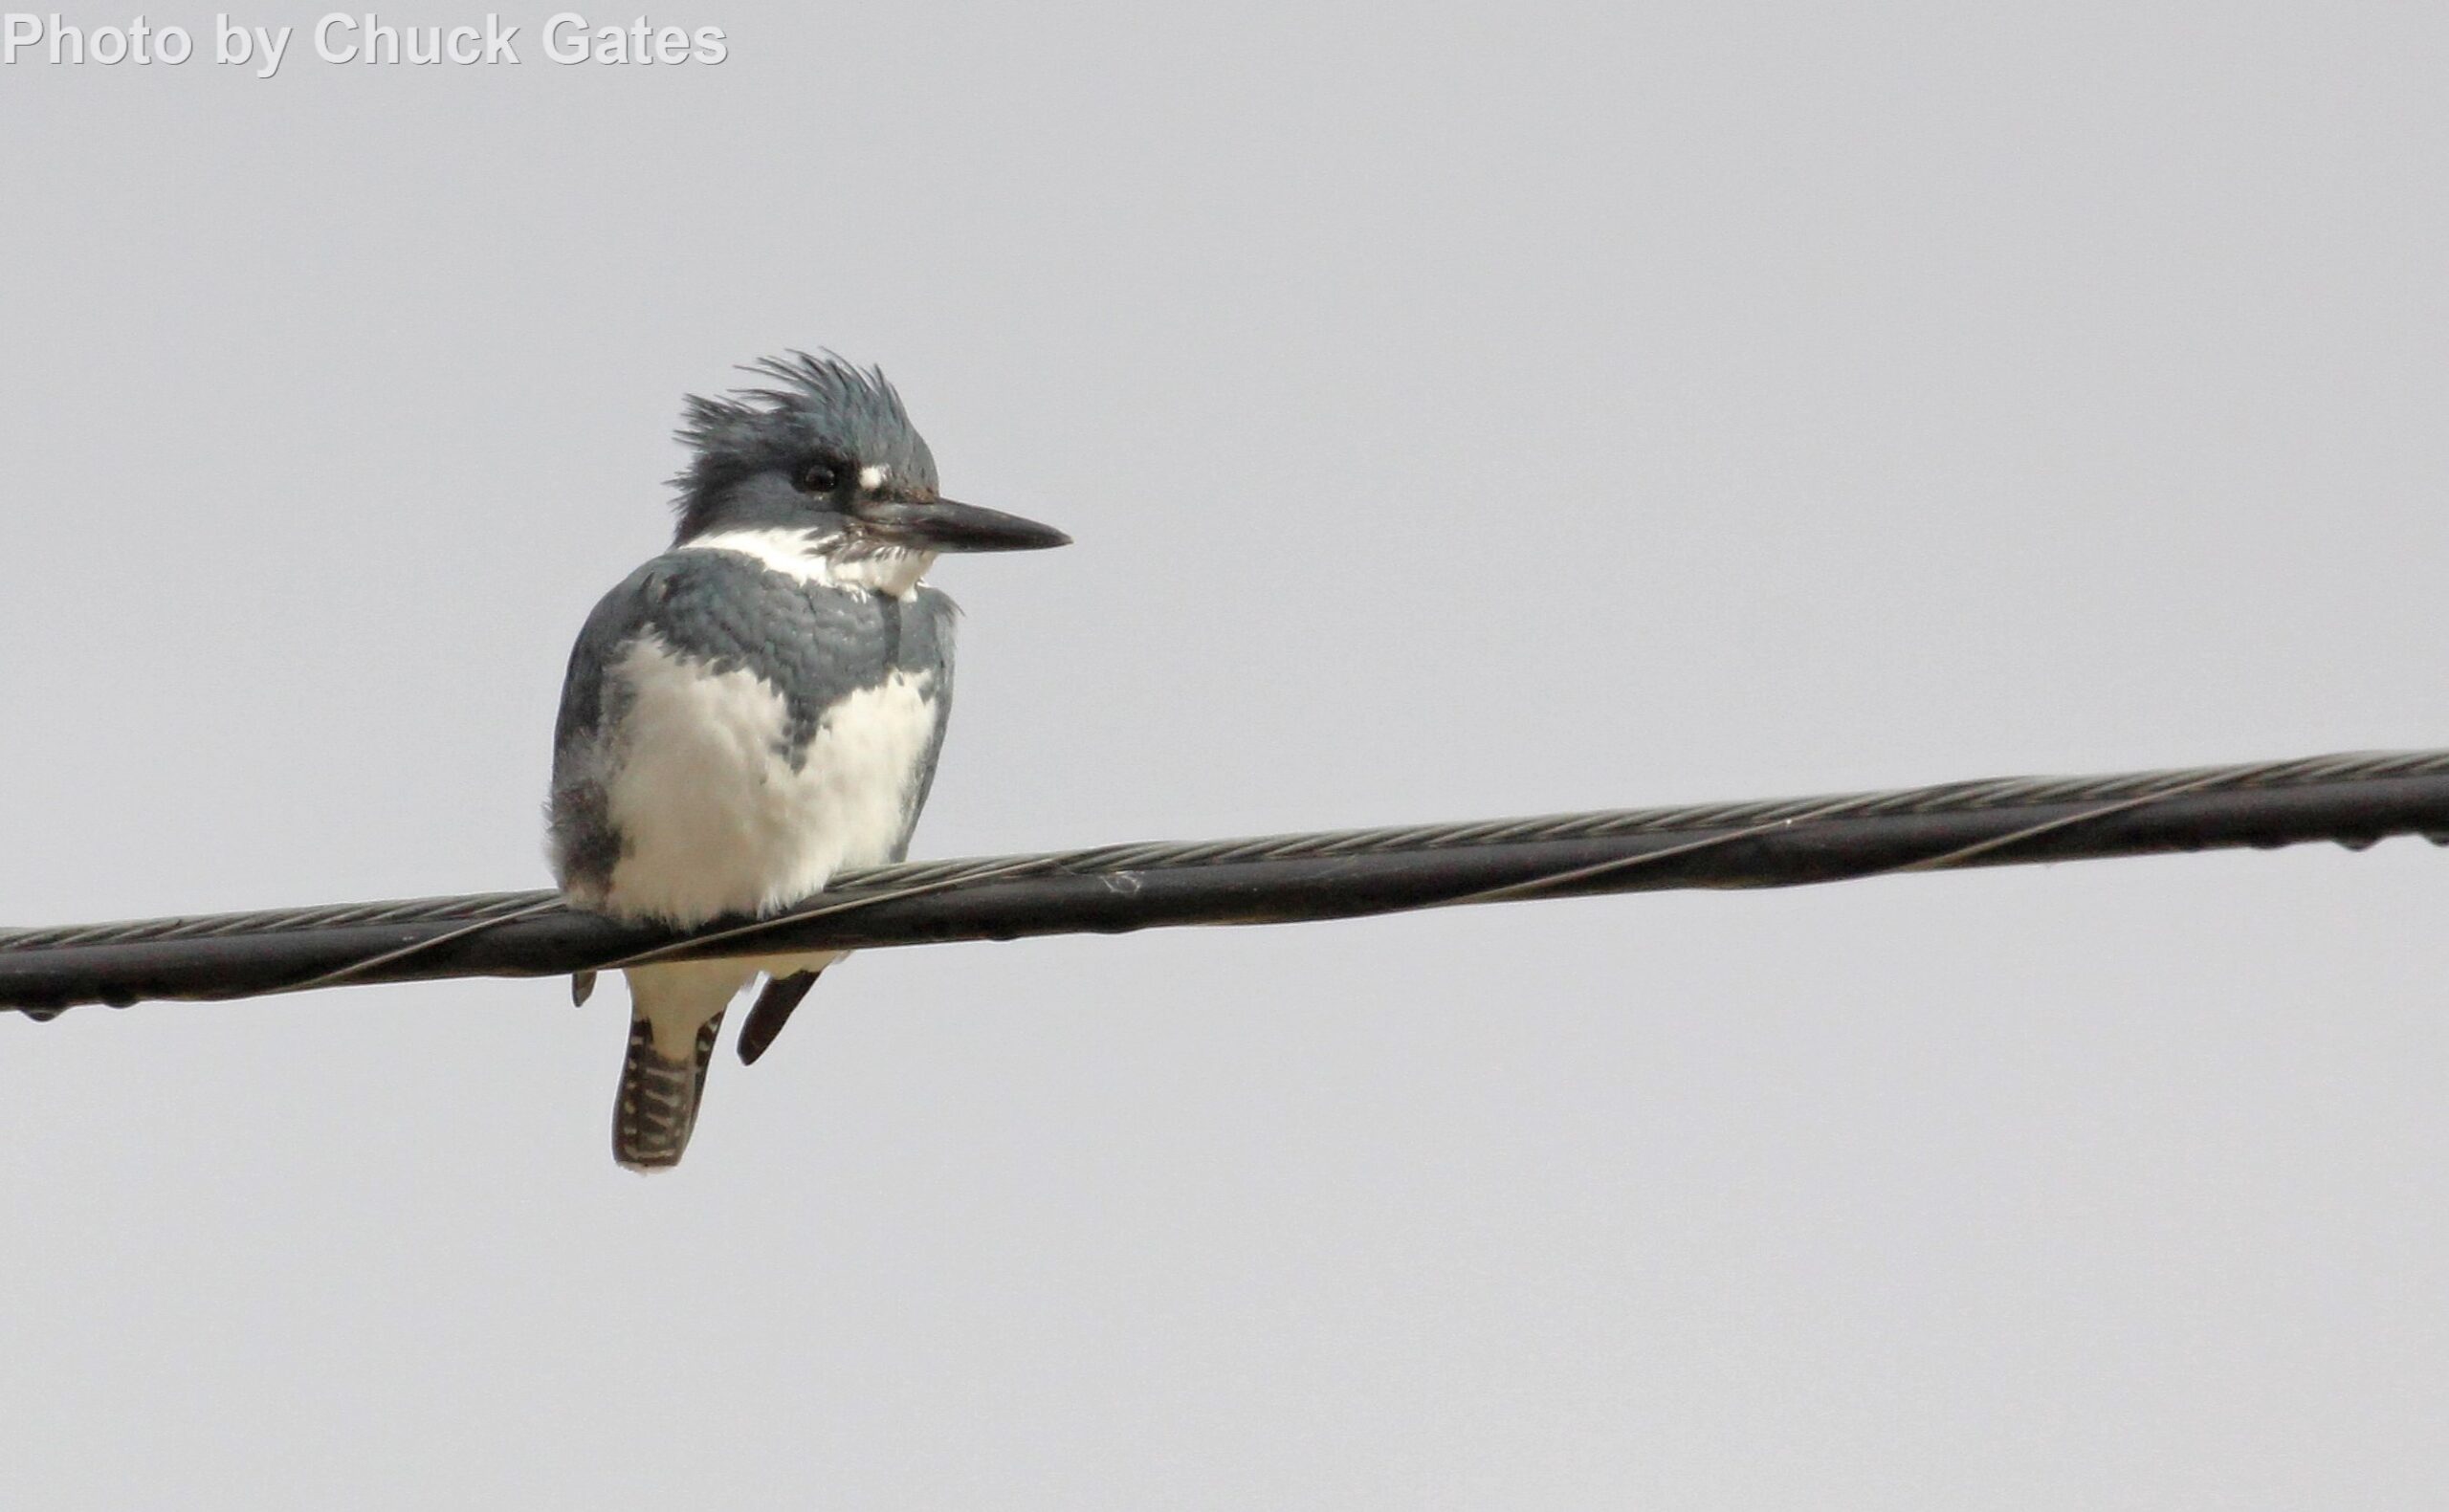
{"x":821,"y":476}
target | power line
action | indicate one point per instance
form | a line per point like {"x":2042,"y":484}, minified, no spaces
{"x":2351,"y":800}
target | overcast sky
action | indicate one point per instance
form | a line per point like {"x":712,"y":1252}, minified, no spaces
{"x":1461,"y":411}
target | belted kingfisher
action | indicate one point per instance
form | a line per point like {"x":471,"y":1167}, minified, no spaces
{"x":759,"y":707}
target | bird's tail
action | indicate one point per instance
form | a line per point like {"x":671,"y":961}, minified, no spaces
{"x":658,"y":1105}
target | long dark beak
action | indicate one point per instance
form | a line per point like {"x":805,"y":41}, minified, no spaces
{"x":945,"y":525}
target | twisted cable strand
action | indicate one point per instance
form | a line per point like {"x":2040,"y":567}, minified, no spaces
{"x":1730,"y":821}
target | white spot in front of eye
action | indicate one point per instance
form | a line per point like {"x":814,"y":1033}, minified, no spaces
{"x":873,"y":477}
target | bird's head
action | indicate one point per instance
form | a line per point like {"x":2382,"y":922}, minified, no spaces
{"x":826,"y":456}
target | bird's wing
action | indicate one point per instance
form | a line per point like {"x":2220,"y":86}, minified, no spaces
{"x":927,"y":646}
{"x":583,"y":842}
{"x":773,"y":1010}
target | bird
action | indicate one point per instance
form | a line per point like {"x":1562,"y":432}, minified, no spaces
{"x":758,"y":708}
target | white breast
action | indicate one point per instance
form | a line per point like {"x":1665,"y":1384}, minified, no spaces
{"x":717,"y":821}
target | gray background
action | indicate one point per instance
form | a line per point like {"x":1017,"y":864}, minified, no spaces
{"x":1462,"y":411}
